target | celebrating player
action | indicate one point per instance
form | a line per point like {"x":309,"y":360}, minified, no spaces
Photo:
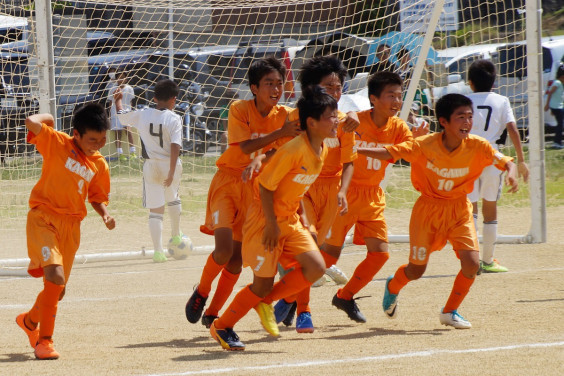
{"x":273,"y":232}
{"x":73,"y":170}
{"x":160,"y":130}
{"x":253,"y":126}
{"x":444,"y":166}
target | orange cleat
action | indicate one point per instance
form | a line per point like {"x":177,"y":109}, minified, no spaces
{"x":45,"y":350}
{"x":33,"y":335}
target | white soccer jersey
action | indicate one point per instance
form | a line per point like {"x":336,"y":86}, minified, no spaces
{"x":157,"y":129}
{"x":492,"y":112}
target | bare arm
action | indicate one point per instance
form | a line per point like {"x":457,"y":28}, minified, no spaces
{"x":550,"y":92}
{"x":378,"y":153}
{"x":522,"y":167}
{"x":289,"y":129}
{"x":511,"y":177}
{"x":34,"y":122}
{"x":348,"y":169}
{"x":255,"y":165}
{"x":102,"y":210}
{"x":271,"y":230}
{"x":174,"y":153}
{"x":351,"y":122}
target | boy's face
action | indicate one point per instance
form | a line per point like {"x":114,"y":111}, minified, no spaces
{"x":270,"y":89}
{"x":389,"y":102}
{"x":90,"y":142}
{"x":332,"y":85}
{"x":327,"y":124}
{"x":459,"y":125}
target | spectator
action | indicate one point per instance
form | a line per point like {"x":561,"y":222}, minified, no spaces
{"x":116,"y":126}
{"x":383,"y":63}
{"x":405,"y":69}
{"x":555,"y":102}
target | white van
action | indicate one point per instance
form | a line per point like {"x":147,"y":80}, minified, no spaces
{"x":14,"y":33}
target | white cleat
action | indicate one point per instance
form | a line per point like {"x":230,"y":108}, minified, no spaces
{"x":336,"y":275}
{"x":454,"y":319}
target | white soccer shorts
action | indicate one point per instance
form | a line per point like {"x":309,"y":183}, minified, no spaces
{"x":155,"y":194}
{"x":488,"y":185}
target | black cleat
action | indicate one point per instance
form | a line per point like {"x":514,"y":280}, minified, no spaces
{"x":350,"y":307}
{"x":207,"y":320}
{"x":289,"y":320}
{"x":195,"y":306}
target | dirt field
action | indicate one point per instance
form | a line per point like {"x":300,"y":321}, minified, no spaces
{"x":127,"y":318}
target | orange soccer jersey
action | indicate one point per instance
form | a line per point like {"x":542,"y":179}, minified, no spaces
{"x":365,"y":197}
{"x":289,"y":175}
{"x":57,"y":200}
{"x":443,"y":212}
{"x":320,"y":201}
{"x":228,"y":196}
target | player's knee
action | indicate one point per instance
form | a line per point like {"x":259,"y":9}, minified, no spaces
{"x":413,"y":272}
{"x":314,"y":271}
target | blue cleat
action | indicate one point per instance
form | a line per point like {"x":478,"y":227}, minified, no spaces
{"x":390,"y":301}
{"x":281,"y":310}
{"x":227,"y":338}
{"x":304,"y":323}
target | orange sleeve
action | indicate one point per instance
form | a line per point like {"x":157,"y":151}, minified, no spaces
{"x":278,"y":167}
{"x":45,"y":140}
{"x":238,"y":123}
{"x":99,"y":187}
{"x":499,"y":160}
{"x":408,"y":150}
{"x":348,"y":151}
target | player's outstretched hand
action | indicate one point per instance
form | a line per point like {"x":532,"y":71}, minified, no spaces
{"x":523,"y":170}
{"x":291,"y":128}
{"x":251,"y":169}
{"x":351,"y":122}
{"x":109,"y":221}
{"x":421,"y":130}
{"x":343,"y":203}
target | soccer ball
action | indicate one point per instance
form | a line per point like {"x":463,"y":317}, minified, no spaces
{"x":182,"y":250}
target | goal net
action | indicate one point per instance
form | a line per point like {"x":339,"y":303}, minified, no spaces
{"x":207,"y":47}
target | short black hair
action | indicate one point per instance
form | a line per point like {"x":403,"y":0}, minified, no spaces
{"x":379,"y":80}
{"x":262,"y":67}
{"x":482,"y":74}
{"x":90,"y":117}
{"x":318,"y":67}
{"x":382,"y":46}
{"x":166,"y":89}
{"x":449,"y":103}
{"x":313,"y":103}
{"x":402,"y":52}
{"x":560,"y":71}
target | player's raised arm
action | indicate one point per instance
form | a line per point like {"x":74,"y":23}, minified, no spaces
{"x":351,"y":122}
{"x":378,"y":153}
{"x":289,"y":129}
{"x":34,"y":122}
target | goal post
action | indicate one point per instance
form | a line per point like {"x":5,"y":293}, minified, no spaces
{"x":58,"y":55}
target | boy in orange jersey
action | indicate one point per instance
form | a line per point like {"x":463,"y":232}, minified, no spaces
{"x":73,"y":170}
{"x":273,"y":232}
{"x":253,"y":126}
{"x":366,"y":201}
{"x":444,"y":167}
{"x":327,"y":196}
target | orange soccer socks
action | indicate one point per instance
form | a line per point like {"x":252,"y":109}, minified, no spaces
{"x":302,"y":300}
{"x":291,"y":284}
{"x":329,"y":260}
{"x":241,"y":304}
{"x":399,"y":280}
{"x":211,"y":270}
{"x":363,"y":274}
{"x":459,"y":291}
{"x":48,"y":308}
{"x":227,"y":281}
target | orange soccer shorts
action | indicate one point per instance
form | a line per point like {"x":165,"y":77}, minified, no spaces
{"x":321,"y":205}
{"x":294,"y":240}
{"x":366,"y":212}
{"x":228,"y":199}
{"x":434,"y":222}
{"x":52,"y":239}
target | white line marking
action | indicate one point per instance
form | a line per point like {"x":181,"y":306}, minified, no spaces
{"x":313,"y":363}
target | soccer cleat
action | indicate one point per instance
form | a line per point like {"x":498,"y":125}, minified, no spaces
{"x":195,"y":306}
{"x":122,"y":158}
{"x":350,"y":307}
{"x":159,"y":256}
{"x":454,"y":319}
{"x":44,"y":350}
{"x":207,"y":320}
{"x":227,"y":338}
{"x":32,"y":335}
{"x":494,"y":267}
{"x":390,"y":301}
{"x":176,"y":240}
{"x":336,"y":275}
{"x":281,"y":310}
{"x":304,"y":323}
{"x":267,"y":318}
{"x":289,"y":320}
{"x":132,"y":156}
{"x":479,"y":268}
